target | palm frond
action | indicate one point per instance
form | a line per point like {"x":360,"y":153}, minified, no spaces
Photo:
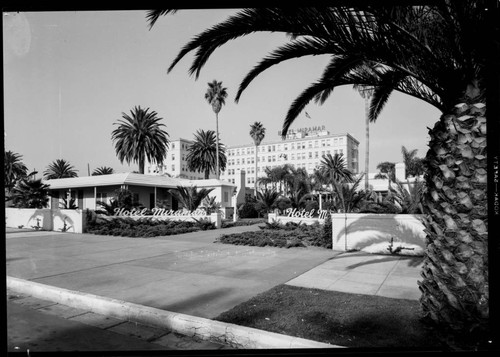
{"x":153,"y":15}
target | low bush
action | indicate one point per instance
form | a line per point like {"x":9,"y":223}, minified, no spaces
{"x":128,"y":227}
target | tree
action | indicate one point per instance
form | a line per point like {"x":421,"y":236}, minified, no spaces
{"x":190,"y":197}
{"x":140,"y":136}
{"x":203,"y":153}
{"x":14,"y":169}
{"x":334,"y":168}
{"x":216,"y":97}
{"x":266,"y":200}
{"x":59,"y":168}
{"x":257,"y":132}
{"x":437,"y":53}
{"x":347,"y":197}
{"x":387,"y":170}
{"x":103,"y":170}
{"x":366,"y":93}
{"x":30,"y":193}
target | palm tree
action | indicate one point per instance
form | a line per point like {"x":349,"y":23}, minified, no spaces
{"x":414,"y":165}
{"x":190,"y":197}
{"x":257,"y":132}
{"x":267,"y":199}
{"x":347,"y":197}
{"x":216,"y":97}
{"x":437,"y":53}
{"x":334,"y":168}
{"x":59,"y":168}
{"x":30,"y":193}
{"x":204,"y":152}
{"x":14,"y":169}
{"x":103,"y":170}
{"x":139,"y":136}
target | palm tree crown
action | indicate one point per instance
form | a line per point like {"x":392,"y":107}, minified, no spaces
{"x":14,"y":169}
{"x":334,"y":168}
{"x":202,"y":153}
{"x":140,"y":136}
{"x":59,"y":168}
{"x":103,"y":170}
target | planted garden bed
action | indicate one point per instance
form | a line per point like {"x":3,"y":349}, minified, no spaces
{"x":128,"y":227}
{"x":284,"y":236}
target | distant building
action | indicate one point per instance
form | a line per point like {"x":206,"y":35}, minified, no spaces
{"x":303,"y":148}
{"x":176,"y":164}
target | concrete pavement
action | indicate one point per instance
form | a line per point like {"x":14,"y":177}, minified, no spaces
{"x":190,"y":274}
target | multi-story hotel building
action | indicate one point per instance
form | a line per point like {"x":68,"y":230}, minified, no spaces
{"x":176,"y":164}
{"x":303,"y":148}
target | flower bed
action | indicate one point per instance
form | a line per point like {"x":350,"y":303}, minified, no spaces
{"x":127,"y":227}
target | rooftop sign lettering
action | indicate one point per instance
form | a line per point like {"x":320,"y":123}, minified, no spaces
{"x":310,"y":130}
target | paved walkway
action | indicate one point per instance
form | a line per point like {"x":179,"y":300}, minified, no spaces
{"x":185,"y":273}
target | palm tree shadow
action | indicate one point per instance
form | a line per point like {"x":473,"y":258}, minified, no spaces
{"x":366,"y":232}
{"x":411,"y":261}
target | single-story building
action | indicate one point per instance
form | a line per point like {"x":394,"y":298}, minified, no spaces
{"x":148,"y":190}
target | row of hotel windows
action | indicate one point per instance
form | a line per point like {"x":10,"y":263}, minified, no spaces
{"x":280,"y":147}
{"x":273,"y":158}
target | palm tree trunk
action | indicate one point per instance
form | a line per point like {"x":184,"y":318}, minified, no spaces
{"x":367,"y":151}
{"x":217,"y":172}
{"x":141,"y":164}
{"x":256,"y":156}
{"x":455,"y":271}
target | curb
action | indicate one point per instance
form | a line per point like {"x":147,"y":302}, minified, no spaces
{"x":215,"y":331}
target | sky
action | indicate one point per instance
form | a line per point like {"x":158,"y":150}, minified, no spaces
{"x":69,"y":76}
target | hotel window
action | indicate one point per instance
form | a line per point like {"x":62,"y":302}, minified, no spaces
{"x":238,"y":152}
{"x":274,"y":158}
{"x":341,"y":141}
{"x":293,"y":156}
{"x":269,"y":148}
{"x":335,"y":141}
{"x":274,"y":147}
{"x":173,"y":157}
{"x":237,"y":161}
{"x":173,"y":167}
{"x":310,"y":144}
{"x":293,"y":146}
{"x":322,"y":142}
{"x":310,"y":155}
{"x":303,"y":156}
{"x":315,"y":143}
{"x":173,"y":145}
{"x":316,"y":154}
{"x":304,"y":145}
{"x":243,"y":161}
{"x":285,"y":147}
{"x":327,"y":142}
{"x":322,"y":153}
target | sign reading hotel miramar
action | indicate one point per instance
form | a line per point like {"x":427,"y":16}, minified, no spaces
{"x":310,"y":130}
{"x":157,"y":212}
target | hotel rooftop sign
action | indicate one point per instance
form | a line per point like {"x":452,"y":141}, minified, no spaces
{"x":310,"y":131}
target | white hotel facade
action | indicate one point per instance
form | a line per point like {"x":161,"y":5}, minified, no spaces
{"x":302,"y":148}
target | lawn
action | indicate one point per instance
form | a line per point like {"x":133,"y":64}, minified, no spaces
{"x":349,"y":320}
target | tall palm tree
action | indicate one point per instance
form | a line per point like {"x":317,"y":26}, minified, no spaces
{"x":257,"y":132}
{"x":438,"y":53}
{"x":14,"y":169}
{"x":216,"y":96}
{"x":59,"y":168}
{"x":103,"y":170}
{"x":140,"y":136}
{"x":334,"y":168}
{"x":204,"y":153}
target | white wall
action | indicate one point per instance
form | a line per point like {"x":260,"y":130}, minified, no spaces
{"x":49,"y":220}
{"x":372,"y":233}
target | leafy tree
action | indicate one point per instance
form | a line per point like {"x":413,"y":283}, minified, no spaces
{"x":30,"y":193}
{"x":266,"y":200}
{"x":202,"y":153}
{"x":407,"y":201}
{"x":347,"y":197}
{"x":438,"y":53}
{"x":103,"y":170}
{"x":387,"y":170}
{"x":216,"y":96}
{"x":14,"y":169}
{"x":140,"y":137}
{"x":190,"y":197}
{"x":211,"y":205}
{"x":59,"y":169}
{"x":257,"y":132}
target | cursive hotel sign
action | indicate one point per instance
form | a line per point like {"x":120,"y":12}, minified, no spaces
{"x":293,"y":212}
{"x":157,"y":212}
